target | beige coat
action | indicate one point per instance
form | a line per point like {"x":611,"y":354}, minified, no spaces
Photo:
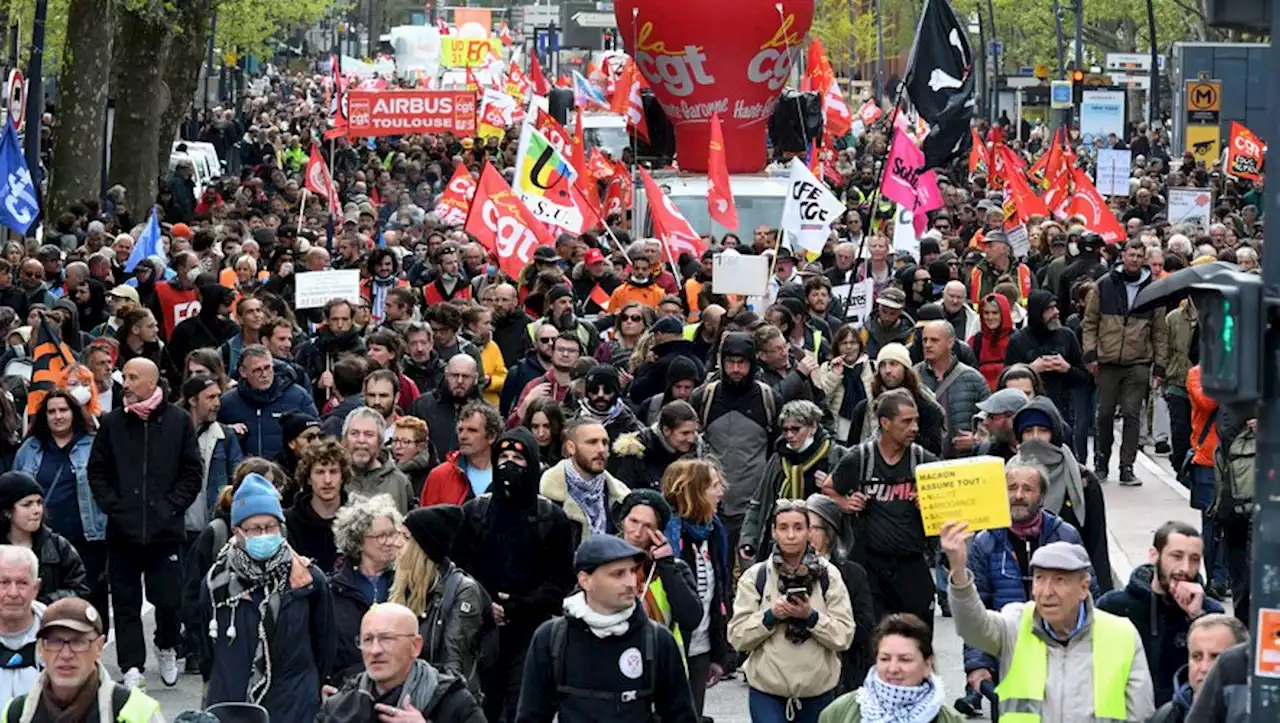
{"x":554,"y":488}
{"x":1068,"y":695}
{"x":776,"y":665}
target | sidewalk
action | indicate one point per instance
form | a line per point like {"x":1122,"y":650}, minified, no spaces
{"x":1134,"y":513}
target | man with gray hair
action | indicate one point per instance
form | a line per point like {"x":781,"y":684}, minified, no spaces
{"x":999,"y":561}
{"x":266,"y":391}
{"x":372,"y":473}
{"x":802,"y":466}
{"x":1247,"y":257}
{"x":19,"y":619}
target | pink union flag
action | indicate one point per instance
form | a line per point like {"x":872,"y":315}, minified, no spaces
{"x":907,"y":182}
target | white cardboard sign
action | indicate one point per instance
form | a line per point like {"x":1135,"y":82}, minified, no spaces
{"x":740,"y":275}
{"x":315,"y":288}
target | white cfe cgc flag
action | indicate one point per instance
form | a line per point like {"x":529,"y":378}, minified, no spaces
{"x":810,"y":209}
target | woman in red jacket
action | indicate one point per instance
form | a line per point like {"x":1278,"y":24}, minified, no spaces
{"x":992,"y":339}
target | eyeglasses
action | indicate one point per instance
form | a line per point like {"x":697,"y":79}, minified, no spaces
{"x":77,"y":645}
{"x":792,"y":429}
{"x":388,"y":538}
{"x":401,"y":442}
{"x":382,"y":640}
{"x":632,"y":317}
{"x":259,"y":530}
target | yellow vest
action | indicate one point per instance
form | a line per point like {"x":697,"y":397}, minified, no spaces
{"x":1022,"y":686}
{"x":138,"y":708}
{"x":691,"y":330}
{"x":664,"y":607}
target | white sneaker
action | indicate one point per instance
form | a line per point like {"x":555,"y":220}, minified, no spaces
{"x":168,"y":667}
{"x":133,"y":678}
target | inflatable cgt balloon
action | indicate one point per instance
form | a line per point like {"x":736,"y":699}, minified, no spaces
{"x":716,"y":56}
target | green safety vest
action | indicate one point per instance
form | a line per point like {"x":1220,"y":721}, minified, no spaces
{"x":138,"y":708}
{"x":1022,"y":686}
{"x":691,"y":330}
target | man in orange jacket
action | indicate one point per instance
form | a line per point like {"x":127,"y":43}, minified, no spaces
{"x":1204,"y":444}
{"x":640,"y":286}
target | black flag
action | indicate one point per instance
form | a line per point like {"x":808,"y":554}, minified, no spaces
{"x":940,"y":82}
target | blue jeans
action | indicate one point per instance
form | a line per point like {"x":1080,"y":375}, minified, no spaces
{"x":1215,"y":553}
{"x":1084,"y":403}
{"x":765,"y":708}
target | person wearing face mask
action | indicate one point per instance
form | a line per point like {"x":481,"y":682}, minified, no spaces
{"x":603,"y":402}
{"x":177,"y":299}
{"x":637,"y":287}
{"x":209,"y":328}
{"x":259,"y":583}
{"x":519,"y":547}
{"x":805,"y":459}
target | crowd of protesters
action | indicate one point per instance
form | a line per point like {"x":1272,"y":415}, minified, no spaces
{"x":462,"y":496}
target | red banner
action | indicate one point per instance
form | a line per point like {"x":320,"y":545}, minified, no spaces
{"x":454,"y":204}
{"x":1245,"y":153}
{"x":408,"y":112}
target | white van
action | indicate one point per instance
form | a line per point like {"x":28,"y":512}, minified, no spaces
{"x":606,"y":131}
{"x":203,"y":158}
{"x":758,"y":197}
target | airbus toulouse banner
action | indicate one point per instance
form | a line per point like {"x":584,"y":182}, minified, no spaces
{"x":406,"y":112}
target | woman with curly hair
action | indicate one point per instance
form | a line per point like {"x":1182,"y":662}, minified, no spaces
{"x":368,"y":534}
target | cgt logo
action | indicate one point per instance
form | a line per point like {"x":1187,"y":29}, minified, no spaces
{"x":1245,"y":145}
{"x":679,"y":72}
{"x":513,"y":238}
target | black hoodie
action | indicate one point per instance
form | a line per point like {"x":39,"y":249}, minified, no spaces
{"x":517,"y":544}
{"x":205,"y":329}
{"x":1037,"y":340}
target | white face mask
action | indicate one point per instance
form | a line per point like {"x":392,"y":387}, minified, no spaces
{"x":81,"y":394}
{"x":193,"y":273}
{"x":1073,"y":248}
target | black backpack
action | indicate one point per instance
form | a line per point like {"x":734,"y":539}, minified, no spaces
{"x":560,"y":641}
{"x":762,"y":577}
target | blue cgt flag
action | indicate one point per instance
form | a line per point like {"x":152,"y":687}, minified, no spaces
{"x":18,"y":205}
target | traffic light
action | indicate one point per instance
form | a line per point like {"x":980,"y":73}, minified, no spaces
{"x":1077,"y":85}
{"x":1230,"y":308}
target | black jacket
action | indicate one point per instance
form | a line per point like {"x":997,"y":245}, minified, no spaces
{"x":639,"y":459}
{"x":309,"y":534}
{"x":440,"y":412}
{"x":518,"y":376}
{"x":1224,"y":695}
{"x":331,"y":423}
{"x":511,"y":334}
{"x":145,"y":473}
{"x":588,"y":664}
{"x":451,"y":702}
{"x":61,"y":569}
{"x":1037,"y":340}
{"x":535,"y":550}
{"x":651,"y":378}
{"x":318,"y":356}
{"x":721,"y":593}
{"x":204,"y":330}
{"x":349,"y":607}
{"x":933,"y":424}
{"x":1088,"y":265}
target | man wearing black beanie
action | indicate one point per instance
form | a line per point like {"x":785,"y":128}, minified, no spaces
{"x":602,"y":401}
{"x":519,"y":547}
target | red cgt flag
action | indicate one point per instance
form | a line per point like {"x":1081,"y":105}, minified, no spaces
{"x":979,"y":158}
{"x":455,"y":203}
{"x":668,"y":225}
{"x":536,"y":77}
{"x":503,"y":224}
{"x":720,"y":204}
{"x":626,"y":99}
{"x":599,"y":166}
{"x":1088,"y":203}
{"x":587,"y":194}
{"x":839,"y":119}
{"x":319,"y":182}
{"x":1245,"y":153}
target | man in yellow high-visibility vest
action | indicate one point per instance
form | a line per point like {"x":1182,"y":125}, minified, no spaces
{"x":1061,"y":659}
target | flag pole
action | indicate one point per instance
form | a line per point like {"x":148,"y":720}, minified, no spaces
{"x":302,"y":208}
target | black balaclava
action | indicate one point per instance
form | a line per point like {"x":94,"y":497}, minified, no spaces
{"x":515,"y":486}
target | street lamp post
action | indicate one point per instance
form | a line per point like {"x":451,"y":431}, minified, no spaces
{"x":1153,"y":96}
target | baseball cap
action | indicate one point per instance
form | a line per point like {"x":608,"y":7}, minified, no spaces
{"x":892,"y":297}
{"x":70,"y":613}
{"x":1065,"y":556}
{"x":996,"y":237}
{"x":667,"y":325}
{"x":546,"y":254}
{"x":196,"y":384}
{"x":124,"y":291}
{"x":593,"y":256}
{"x":600,"y":550}
{"x":1005,"y":401}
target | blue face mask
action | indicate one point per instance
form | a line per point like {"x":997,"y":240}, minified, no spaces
{"x":263,"y":547}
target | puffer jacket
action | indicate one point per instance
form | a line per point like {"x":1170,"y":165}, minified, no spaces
{"x":61,"y":569}
{"x":1161,"y":623}
{"x":1175,"y":711}
{"x":1114,"y":336}
{"x":1068,"y":695}
{"x":260,"y":411}
{"x":349,"y":607}
{"x":640,"y":458}
{"x":777,"y":666}
{"x":1181,"y":324}
{"x":960,"y":399}
{"x":999,"y":579}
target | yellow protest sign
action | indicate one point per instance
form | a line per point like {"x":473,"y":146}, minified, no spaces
{"x":970,"y":489}
{"x":466,"y":52}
